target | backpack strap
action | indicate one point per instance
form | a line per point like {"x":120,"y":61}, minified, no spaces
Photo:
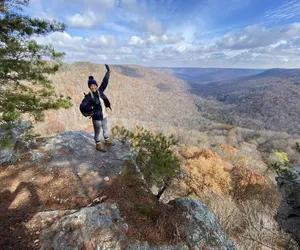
{"x":92,"y":95}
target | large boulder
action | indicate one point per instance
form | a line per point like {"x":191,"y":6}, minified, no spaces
{"x":6,"y":153}
{"x":202,"y":228}
{"x":98,"y":227}
{"x":102,"y":227}
{"x":288,"y":214}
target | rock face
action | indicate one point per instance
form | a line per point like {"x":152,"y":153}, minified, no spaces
{"x":102,"y":227}
{"x":7,"y":152}
{"x":137,"y":245}
{"x":98,"y":227}
{"x":202,"y":228}
{"x":76,"y":150}
{"x":288,"y":214}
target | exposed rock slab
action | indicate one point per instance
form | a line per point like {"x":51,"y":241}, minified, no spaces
{"x":288,"y":214}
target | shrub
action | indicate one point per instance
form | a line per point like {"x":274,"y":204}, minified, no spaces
{"x":153,"y":155}
{"x":206,"y":171}
{"x":231,"y":154}
{"x":279,"y":162}
{"x":247,"y":184}
{"x":283,"y":157}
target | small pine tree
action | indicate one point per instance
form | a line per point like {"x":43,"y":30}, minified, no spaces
{"x":24,"y":65}
{"x":153,"y":155}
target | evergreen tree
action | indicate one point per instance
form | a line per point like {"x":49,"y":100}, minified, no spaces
{"x":153,"y":155}
{"x":25,"y":64}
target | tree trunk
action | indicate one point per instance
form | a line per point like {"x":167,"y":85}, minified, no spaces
{"x":163,"y":189}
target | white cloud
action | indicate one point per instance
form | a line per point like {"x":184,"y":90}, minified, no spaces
{"x":155,"y":40}
{"x":88,"y":20}
{"x":125,"y":50}
{"x":171,"y":39}
{"x":254,"y":46}
{"x":102,"y":57}
{"x":101,"y":41}
{"x":256,"y":36}
{"x":63,"y":41}
{"x":136,"y":41}
{"x":181,"y":49}
{"x":154,"y":27}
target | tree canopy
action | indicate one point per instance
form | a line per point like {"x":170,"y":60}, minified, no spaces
{"x":25,"y":64}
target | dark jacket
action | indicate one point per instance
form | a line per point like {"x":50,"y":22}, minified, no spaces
{"x":93,"y":105}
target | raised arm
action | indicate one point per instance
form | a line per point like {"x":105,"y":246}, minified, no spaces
{"x":105,"y":80}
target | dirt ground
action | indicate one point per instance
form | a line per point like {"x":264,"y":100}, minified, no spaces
{"x":26,"y":190}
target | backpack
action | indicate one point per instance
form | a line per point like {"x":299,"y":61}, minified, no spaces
{"x":86,"y":108}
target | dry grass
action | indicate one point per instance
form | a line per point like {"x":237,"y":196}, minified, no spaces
{"x":260,"y":228}
{"x":250,"y":224}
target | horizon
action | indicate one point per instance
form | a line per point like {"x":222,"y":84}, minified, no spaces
{"x":171,"y":33}
{"x":191,"y":67}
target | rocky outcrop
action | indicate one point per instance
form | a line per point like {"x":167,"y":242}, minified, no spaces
{"x":6,"y":153}
{"x":98,"y":227}
{"x":288,"y":214}
{"x":202,"y":228}
{"x":64,"y":175}
{"x":102,"y":227}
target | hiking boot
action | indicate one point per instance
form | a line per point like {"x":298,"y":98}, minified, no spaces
{"x":109,"y":142}
{"x":100,"y":148}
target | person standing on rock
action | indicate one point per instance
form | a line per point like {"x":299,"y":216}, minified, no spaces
{"x":97,"y":103}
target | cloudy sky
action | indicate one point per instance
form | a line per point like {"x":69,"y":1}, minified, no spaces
{"x":190,"y":33}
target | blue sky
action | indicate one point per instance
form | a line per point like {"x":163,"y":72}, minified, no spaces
{"x":190,"y":33}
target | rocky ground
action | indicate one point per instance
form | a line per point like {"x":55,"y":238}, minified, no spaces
{"x":64,"y":172}
{"x":63,"y":194}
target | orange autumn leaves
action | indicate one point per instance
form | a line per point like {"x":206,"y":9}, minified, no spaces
{"x":208,"y":171}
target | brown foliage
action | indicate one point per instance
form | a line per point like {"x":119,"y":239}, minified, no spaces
{"x":247,"y":184}
{"x":231,"y":154}
{"x":206,"y":171}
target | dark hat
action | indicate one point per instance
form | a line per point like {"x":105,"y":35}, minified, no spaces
{"x":92,"y":81}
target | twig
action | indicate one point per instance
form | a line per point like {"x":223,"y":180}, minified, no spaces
{"x":98,"y":200}
{"x":178,"y":233}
